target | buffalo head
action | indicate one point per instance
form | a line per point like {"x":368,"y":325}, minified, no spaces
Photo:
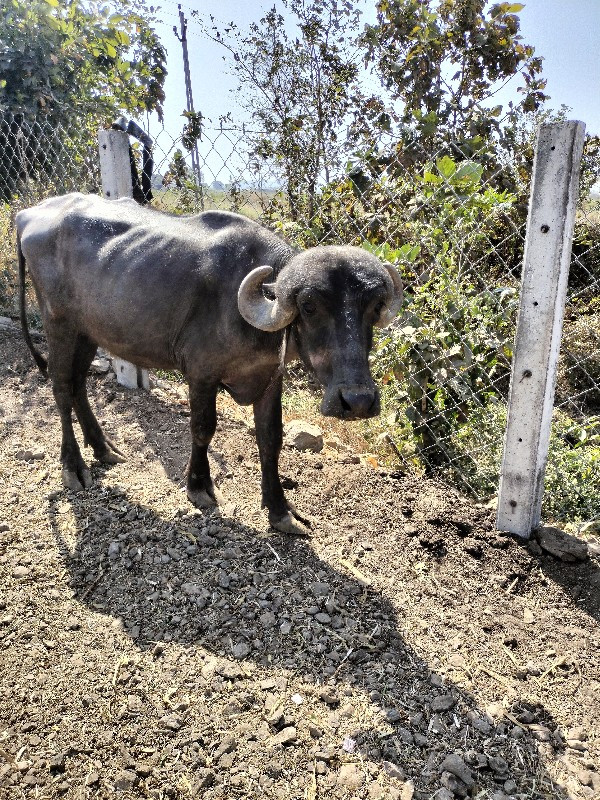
{"x":332,"y":297}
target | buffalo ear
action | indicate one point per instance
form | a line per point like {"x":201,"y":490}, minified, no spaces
{"x":394,"y":301}
{"x":260,"y":311}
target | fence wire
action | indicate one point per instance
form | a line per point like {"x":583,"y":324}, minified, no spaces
{"x":457,"y":238}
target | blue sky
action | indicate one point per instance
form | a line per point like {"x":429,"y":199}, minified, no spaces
{"x":565,"y":32}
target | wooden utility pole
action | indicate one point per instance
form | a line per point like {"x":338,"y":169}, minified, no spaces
{"x":182,"y":36}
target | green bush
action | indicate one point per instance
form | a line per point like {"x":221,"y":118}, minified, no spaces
{"x":572,"y":485}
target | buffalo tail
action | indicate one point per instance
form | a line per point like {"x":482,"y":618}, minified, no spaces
{"x":37,"y":356}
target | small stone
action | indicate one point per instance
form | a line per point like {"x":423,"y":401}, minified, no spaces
{"x":6,"y":324}
{"x":443,"y":702}
{"x":303,"y":436}
{"x":204,"y":779}
{"x":323,"y":618}
{"x":405,"y":735}
{"x":454,"y":763}
{"x":285,"y":628}
{"x":268,"y":619}
{"x":57,"y":762}
{"x":114,"y":548}
{"x":350,"y":777}
{"x":21,"y":572}
{"x":533,"y":669}
{"x":171,"y":723}
{"x":241,"y":650}
{"x":72,"y":624}
{"x":24,"y":455}
{"x":330,"y":697}
{"x":191,"y":589}
{"x":510,"y":786}
{"x":100,"y":366}
{"x":4,"y":526}
{"x":498,"y":765}
{"x":227,"y":745}
{"x":393,"y":715}
{"x":477,"y":722}
{"x":575,"y":744}
{"x":92,"y":778}
{"x":454,"y":784}
{"x":319,"y":589}
{"x":285,"y":737}
{"x":393,"y":770}
{"x":226,"y":761}
{"x":125,"y":780}
{"x":475,"y":759}
{"x":472,"y":547}
{"x":534,"y":547}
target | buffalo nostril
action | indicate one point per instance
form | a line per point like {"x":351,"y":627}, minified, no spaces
{"x":358,"y":403}
{"x":345,"y":404}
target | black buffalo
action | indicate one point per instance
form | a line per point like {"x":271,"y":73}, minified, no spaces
{"x":189,"y":293}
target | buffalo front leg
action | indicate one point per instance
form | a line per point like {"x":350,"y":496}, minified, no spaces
{"x":269,"y":436}
{"x":61,"y":353}
{"x":201,"y":490}
{"x":104,"y":450}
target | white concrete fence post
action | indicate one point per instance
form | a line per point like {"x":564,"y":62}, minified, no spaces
{"x":115,"y":169}
{"x":543,"y":292}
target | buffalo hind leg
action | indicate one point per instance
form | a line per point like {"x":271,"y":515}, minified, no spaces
{"x":269,"y":436}
{"x":61,"y":352}
{"x":201,"y":490}
{"x":104,"y":450}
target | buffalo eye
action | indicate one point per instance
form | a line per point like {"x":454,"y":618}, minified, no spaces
{"x":308,"y":307}
{"x":379,"y":308}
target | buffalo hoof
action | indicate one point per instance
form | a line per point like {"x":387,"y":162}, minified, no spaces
{"x":290,"y":524}
{"x":111,"y":454}
{"x":76,"y":481}
{"x":111,"y":457}
{"x":205,"y":498}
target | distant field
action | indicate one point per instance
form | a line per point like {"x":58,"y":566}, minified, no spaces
{"x":249,"y":202}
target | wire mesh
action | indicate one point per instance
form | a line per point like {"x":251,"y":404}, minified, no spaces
{"x":456,"y":236}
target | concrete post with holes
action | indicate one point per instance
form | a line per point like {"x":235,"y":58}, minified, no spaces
{"x":116,"y":182}
{"x":543,"y":293}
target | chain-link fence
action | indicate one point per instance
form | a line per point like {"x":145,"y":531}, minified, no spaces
{"x":454,"y":227}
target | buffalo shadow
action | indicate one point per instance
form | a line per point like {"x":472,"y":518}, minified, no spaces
{"x":228,"y":594}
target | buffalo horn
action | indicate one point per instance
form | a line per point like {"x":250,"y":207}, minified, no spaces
{"x":393,"y":303}
{"x":255,"y":308}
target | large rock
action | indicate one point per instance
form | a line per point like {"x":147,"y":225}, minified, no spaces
{"x":561,"y":544}
{"x":303,"y":436}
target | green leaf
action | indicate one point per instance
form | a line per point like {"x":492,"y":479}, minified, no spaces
{"x":514,"y":8}
{"x":446,"y":166}
{"x":431,"y":177}
{"x":469,"y":171}
{"x":53,"y":3}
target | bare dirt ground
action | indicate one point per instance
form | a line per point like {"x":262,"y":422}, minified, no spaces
{"x":150,"y":650}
